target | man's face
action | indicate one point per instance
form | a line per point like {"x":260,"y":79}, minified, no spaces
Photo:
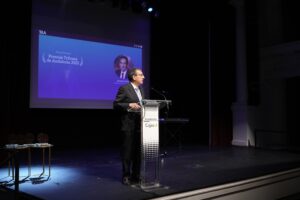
{"x":138,"y":77}
{"x":123,"y":64}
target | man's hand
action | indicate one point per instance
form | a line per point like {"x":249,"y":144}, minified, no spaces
{"x":134,"y":106}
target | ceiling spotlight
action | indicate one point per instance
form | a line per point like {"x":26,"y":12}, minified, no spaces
{"x":150,"y":9}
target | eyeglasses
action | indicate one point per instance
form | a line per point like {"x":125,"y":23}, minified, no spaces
{"x":139,"y":74}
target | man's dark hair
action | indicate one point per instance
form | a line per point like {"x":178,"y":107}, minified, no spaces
{"x":131,"y":73}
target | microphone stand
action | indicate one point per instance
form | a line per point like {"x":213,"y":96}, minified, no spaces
{"x":165,"y":153}
{"x":165,"y":98}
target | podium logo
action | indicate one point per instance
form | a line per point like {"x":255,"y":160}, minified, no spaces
{"x":151,"y":125}
{"x":150,"y":119}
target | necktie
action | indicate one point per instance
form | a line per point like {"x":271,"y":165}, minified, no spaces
{"x":122,"y":75}
{"x":138,"y":92}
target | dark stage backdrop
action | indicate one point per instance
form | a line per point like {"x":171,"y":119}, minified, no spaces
{"x":178,"y":56}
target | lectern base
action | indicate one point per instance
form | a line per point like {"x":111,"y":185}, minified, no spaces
{"x":153,"y":187}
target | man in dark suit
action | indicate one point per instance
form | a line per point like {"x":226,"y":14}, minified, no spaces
{"x":128,"y":104}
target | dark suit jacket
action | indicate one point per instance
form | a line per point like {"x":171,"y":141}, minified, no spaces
{"x":126,"y":95}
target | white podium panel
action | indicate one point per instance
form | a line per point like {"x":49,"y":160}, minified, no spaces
{"x":150,"y":143}
{"x":150,"y":146}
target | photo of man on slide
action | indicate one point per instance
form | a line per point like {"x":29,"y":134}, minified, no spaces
{"x":122,"y":64}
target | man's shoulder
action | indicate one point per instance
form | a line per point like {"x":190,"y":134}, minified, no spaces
{"x":126,"y":86}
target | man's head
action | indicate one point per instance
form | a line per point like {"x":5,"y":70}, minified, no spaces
{"x":136,"y":76}
{"x":121,"y":63}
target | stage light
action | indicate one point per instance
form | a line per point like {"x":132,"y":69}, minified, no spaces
{"x":137,"y":6}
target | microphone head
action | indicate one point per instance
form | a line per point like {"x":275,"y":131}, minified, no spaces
{"x":152,"y":88}
{"x":155,"y":90}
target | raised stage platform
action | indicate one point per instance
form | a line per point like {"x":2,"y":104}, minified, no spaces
{"x":96,"y":173}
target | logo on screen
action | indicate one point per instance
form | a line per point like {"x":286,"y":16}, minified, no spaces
{"x":62,"y":59}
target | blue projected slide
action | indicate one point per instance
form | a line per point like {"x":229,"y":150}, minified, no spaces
{"x":78,"y":69}
{"x":77,"y":73}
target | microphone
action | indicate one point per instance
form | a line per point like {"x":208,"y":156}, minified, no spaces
{"x":162,"y":94}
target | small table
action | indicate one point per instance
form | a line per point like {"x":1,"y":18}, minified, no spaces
{"x":44,"y":146}
{"x":13,"y":164}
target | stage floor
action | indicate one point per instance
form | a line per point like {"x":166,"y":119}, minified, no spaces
{"x":96,"y":173}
